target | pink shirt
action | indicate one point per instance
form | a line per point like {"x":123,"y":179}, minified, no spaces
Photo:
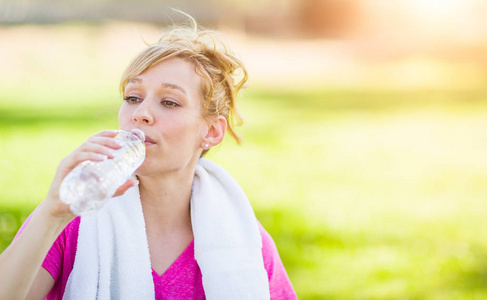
{"x":182,"y":280}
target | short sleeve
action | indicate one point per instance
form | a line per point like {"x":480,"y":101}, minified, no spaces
{"x":54,"y":258}
{"x":279,"y":284}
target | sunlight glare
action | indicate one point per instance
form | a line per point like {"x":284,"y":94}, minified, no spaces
{"x":441,"y":8}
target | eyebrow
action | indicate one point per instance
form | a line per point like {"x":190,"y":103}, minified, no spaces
{"x":137,"y":80}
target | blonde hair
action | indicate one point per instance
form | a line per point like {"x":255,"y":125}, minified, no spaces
{"x":223,"y":75}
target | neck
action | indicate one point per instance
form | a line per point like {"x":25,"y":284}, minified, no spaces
{"x":166,"y":200}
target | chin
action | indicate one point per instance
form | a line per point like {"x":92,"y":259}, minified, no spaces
{"x":146,"y":169}
{"x":153,"y":168}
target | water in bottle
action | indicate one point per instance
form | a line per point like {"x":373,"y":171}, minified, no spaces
{"x":90,"y":184}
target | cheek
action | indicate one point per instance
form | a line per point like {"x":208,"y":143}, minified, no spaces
{"x":124,"y":116}
{"x":187,"y":130}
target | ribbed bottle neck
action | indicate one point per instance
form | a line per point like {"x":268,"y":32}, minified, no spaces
{"x":139,"y":134}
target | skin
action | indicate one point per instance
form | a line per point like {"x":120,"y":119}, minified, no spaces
{"x":164,"y":102}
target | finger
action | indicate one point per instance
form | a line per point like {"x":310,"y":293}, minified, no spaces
{"x":105,"y":141}
{"x":108,"y":133}
{"x":96,"y":148}
{"x":75,"y":159}
{"x":70,"y":162}
{"x":124,"y":187}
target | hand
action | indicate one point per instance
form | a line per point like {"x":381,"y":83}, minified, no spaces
{"x":124,"y":187}
{"x":96,"y":148}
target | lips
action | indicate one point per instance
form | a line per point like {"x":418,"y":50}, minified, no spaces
{"x":149,"y":141}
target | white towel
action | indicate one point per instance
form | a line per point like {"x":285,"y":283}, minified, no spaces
{"x":227,"y":241}
{"x":112,"y":259}
{"x":113,"y":262}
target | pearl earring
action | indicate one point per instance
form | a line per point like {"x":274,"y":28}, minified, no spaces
{"x":207,"y":146}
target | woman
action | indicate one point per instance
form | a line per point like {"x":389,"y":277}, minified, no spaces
{"x":183,"y":229}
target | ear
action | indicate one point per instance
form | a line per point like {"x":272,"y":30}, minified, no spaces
{"x":217,"y":128}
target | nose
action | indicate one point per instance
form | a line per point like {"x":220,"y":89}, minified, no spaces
{"x":143,"y":113}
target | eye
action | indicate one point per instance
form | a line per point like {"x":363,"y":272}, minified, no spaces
{"x":132,"y":99}
{"x":169,"y":103}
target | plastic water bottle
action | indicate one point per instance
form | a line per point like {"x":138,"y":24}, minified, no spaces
{"x":90,"y":184}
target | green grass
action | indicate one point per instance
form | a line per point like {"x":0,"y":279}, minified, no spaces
{"x":368,"y":194}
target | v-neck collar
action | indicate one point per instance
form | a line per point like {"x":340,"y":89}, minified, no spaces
{"x":177,"y":265}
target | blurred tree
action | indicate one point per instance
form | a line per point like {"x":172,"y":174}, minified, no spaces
{"x":322,"y":18}
{"x":327,"y":18}
{"x":56,"y":11}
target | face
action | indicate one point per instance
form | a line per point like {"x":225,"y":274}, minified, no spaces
{"x":165,"y":103}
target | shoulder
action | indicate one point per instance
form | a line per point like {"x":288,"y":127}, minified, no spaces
{"x":279,"y":284}
{"x":269,"y":248}
{"x":60,"y":258}
{"x":269,"y":251}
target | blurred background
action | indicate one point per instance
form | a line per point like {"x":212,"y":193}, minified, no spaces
{"x":364,"y":139}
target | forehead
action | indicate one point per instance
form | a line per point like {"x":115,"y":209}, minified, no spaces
{"x":171,"y":73}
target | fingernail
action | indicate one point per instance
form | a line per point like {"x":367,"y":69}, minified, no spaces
{"x":102,"y":157}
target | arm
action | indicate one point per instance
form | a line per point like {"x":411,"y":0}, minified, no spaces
{"x":20,"y":263}
{"x":21,"y":273}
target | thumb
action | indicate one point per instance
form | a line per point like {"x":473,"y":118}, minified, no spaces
{"x":124,"y":187}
